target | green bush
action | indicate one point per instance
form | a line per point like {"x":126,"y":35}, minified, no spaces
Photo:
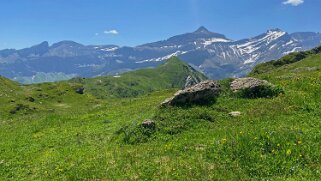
{"x":263,"y":91}
{"x":21,"y":107}
{"x":169,"y":122}
{"x":135,"y":133}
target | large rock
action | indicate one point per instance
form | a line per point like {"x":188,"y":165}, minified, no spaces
{"x":247,"y":83}
{"x":254,"y":88}
{"x":201,"y":93}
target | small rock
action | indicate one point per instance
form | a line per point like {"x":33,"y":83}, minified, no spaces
{"x":235,"y":114}
{"x":31,"y":99}
{"x":201,"y":93}
{"x":80,"y":90}
{"x":19,"y":107}
{"x":51,"y":110}
{"x":149,"y":124}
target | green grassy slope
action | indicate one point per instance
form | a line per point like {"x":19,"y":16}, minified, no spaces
{"x":274,"y":139}
{"x":288,"y":59}
{"x":172,"y":74}
{"x":10,"y":92}
{"x":44,"y":98}
{"x":9,"y":89}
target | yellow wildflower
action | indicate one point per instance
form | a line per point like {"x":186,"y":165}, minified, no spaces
{"x":288,"y":152}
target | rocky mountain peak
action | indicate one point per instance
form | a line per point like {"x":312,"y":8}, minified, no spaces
{"x":43,"y":44}
{"x":202,"y":29}
{"x":39,"y":49}
{"x":276,"y":31}
{"x":66,"y":43}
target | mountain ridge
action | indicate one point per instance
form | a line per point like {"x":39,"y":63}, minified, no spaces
{"x":214,"y":54}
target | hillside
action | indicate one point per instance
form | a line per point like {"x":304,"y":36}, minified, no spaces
{"x":7,"y":85}
{"x":41,"y":99}
{"x":288,"y":59}
{"x":100,"y":139}
{"x":174,"y":73}
{"x":9,"y":92}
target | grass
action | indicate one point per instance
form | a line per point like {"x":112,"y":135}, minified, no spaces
{"x":101,"y":139}
{"x":172,"y":74}
{"x":288,"y":59}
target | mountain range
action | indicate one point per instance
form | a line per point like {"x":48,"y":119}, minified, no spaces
{"x":216,"y":55}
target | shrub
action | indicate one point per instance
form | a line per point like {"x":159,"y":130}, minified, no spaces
{"x":135,"y":133}
{"x":262,"y":91}
{"x":20,"y":107}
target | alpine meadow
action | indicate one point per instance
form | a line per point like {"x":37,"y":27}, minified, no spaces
{"x":195,"y":106}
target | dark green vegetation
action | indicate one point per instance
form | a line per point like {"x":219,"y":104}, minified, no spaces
{"x":72,"y":136}
{"x":263,"y":91}
{"x":172,"y":74}
{"x":288,"y":59}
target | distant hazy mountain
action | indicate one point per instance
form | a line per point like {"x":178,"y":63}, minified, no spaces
{"x":214,"y":54}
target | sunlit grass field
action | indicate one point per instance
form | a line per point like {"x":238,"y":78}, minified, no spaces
{"x":69,"y":136}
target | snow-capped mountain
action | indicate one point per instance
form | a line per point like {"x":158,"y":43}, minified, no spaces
{"x":213,"y":53}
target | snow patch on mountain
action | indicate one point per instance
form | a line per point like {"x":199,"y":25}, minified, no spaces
{"x":172,"y":46}
{"x":177,"y":53}
{"x":252,"y":59}
{"x":289,"y":43}
{"x":110,"y":49}
{"x":87,"y":65}
{"x":295,"y":49}
{"x":214,"y":40}
{"x":254,"y":44}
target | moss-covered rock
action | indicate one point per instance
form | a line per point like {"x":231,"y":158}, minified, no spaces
{"x":254,"y":88}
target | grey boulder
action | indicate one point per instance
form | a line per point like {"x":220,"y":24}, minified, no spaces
{"x":247,"y":83}
{"x":201,"y":93}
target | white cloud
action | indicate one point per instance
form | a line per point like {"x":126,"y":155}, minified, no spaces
{"x":96,"y":34}
{"x":293,"y":2}
{"x":113,"y":32}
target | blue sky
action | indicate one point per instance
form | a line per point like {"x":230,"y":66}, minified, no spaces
{"x":133,"y":22}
